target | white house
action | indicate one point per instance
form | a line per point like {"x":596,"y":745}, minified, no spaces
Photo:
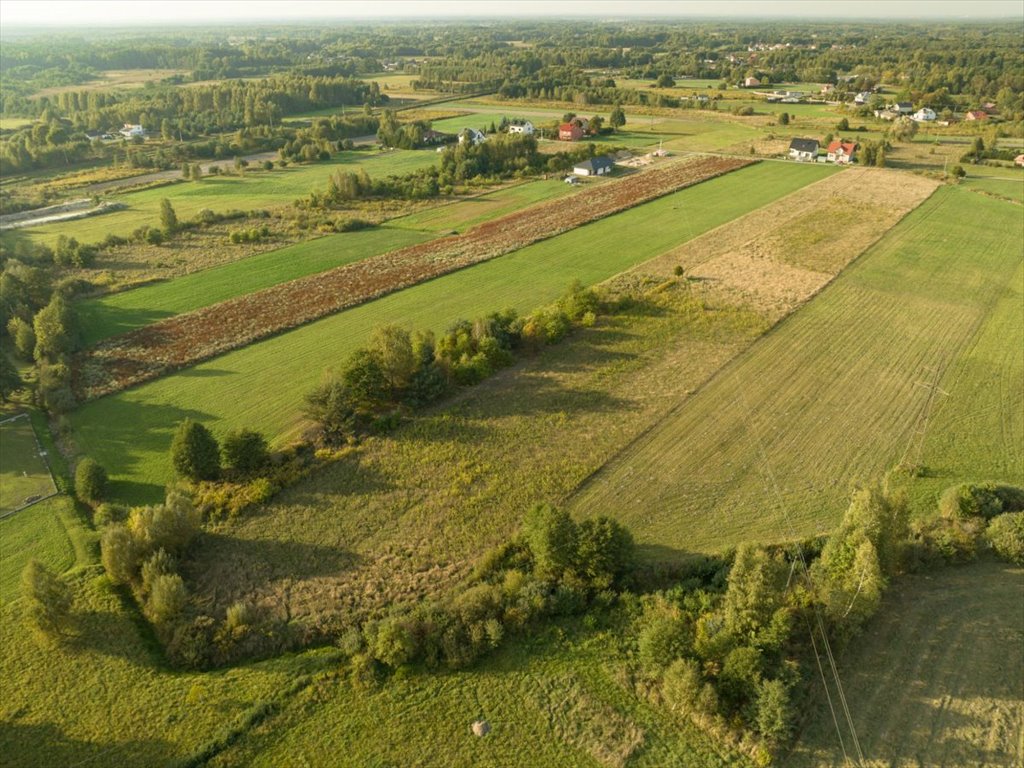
{"x":525,"y":128}
{"x":862,"y":98}
{"x":472,"y":135}
{"x":923,"y":115}
{"x":803,"y":150}
{"x":130,"y":131}
{"x":595,"y":166}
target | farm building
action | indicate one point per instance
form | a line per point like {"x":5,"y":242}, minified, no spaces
{"x":131,"y":131}
{"x":841,"y":151}
{"x":571,"y":180}
{"x":1019,"y":160}
{"x":803,"y":150}
{"x":595,"y":166}
{"x":524,"y":127}
{"x":569,"y":132}
{"x":976,"y":115}
{"x":863,"y":97}
{"x":924,"y":115}
{"x":751,"y":82}
{"x":471,"y":135}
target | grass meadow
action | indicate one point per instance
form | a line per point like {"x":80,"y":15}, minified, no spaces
{"x":837,"y":393}
{"x":257,"y":189}
{"x":935,"y":679}
{"x":50,"y":531}
{"x":121,"y":312}
{"x":129,"y":432}
{"x":23,"y":472}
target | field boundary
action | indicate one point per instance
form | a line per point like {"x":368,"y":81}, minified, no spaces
{"x":730,"y":365}
{"x":147,"y":353}
{"x":42,"y":456}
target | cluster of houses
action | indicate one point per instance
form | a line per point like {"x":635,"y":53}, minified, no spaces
{"x":838,"y":151}
{"x":129,"y":131}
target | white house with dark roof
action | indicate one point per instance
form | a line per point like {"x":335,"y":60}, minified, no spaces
{"x":804,"y":150}
{"x":595,"y":166}
{"x":525,"y":127}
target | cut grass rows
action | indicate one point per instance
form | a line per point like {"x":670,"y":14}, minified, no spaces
{"x":125,"y":311}
{"x":835,"y":392}
{"x":129,"y":432}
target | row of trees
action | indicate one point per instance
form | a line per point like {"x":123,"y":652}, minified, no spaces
{"x":399,"y":370}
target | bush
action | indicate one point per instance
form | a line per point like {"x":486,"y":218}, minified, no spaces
{"x":550,"y":534}
{"x":120,"y":554}
{"x":604,"y":551}
{"x":973,"y":500}
{"x":194,"y":452}
{"x":90,"y":481}
{"x":167,"y":598}
{"x":1006,"y":535}
{"x":774,"y":713}
{"x":48,"y":599}
{"x":245,"y":451}
{"x":681,"y":685}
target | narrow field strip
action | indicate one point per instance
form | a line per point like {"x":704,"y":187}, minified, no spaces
{"x":129,"y":432}
{"x":122,"y":312}
{"x":831,"y":397}
{"x":149,"y":352}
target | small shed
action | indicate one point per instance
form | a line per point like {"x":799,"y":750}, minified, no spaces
{"x":595,"y":166}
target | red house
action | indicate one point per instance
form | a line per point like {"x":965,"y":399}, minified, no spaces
{"x":841,"y":151}
{"x":976,"y":115}
{"x":569,"y":132}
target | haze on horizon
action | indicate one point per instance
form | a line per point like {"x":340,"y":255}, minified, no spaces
{"x":122,"y":13}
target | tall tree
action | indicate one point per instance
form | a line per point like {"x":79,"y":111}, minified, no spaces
{"x":168,"y":218}
{"x":49,"y":599}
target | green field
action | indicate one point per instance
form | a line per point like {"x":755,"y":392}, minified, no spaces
{"x":834,"y":395}
{"x":122,"y":312}
{"x":23,"y":472}
{"x":258,"y":189}
{"x":1012,"y":189}
{"x":129,"y":432}
{"x":42,"y":531}
{"x":936,"y":678}
{"x":552,"y":700}
{"x":463,"y":214}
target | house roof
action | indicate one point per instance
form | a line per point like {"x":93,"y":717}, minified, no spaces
{"x":568,"y":127}
{"x":804,"y":145}
{"x":978,"y":114}
{"x":848,"y":147}
{"x":595,"y":163}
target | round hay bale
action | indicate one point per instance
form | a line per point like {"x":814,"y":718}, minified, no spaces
{"x":481,"y":728}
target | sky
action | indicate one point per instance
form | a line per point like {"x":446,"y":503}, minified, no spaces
{"x":98,"y":13}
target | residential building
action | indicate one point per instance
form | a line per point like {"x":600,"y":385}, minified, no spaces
{"x":803,"y":150}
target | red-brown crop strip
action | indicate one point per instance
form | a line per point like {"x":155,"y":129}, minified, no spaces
{"x":147,"y":353}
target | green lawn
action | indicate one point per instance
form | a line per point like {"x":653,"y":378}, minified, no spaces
{"x":258,"y":189}
{"x":121,"y":312}
{"x":262,"y":386}
{"x":1008,"y":187}
{"x":837,"y":394}
{"x":23,"y":472}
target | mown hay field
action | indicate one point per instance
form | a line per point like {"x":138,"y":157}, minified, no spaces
{"x":45,"y":532}
{"x":257,"y":189}
{"x":23,"y":472}
{"x":127,"y":310}
{"x":936,"y":678}
{"x":833,"y":396}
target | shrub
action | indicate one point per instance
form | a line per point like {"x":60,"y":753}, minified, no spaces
{"x":48,"y":599}
{"x":90,"y":481}
{"x":171,"y":525}
{"x":1006,"y":535}
{"x":681,"y":685}
{"x":245,"y":451}
{"x":604,"y":551}
{"x":774,"y":712}
{"x":159,"y":564}
{"x":972,"y":500}
{"x":120,"y":554}
{"x":23,"y":336}
{"x":194,"y":452}
{"x":665,"y":635}
{"x":550,"y":534}
{"x":107,"y":514}
{"x":392,"y":643}
{"x":741,"y":676}
{"x":167,"y":598}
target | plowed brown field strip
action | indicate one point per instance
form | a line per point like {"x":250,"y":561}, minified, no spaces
{"x":147,"y":353}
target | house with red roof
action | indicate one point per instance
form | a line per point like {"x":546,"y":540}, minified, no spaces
{"x":570,"y":132}
{"x":1019,"y":160}
{"x":841,"y":151}
{"x":976,"y":115}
